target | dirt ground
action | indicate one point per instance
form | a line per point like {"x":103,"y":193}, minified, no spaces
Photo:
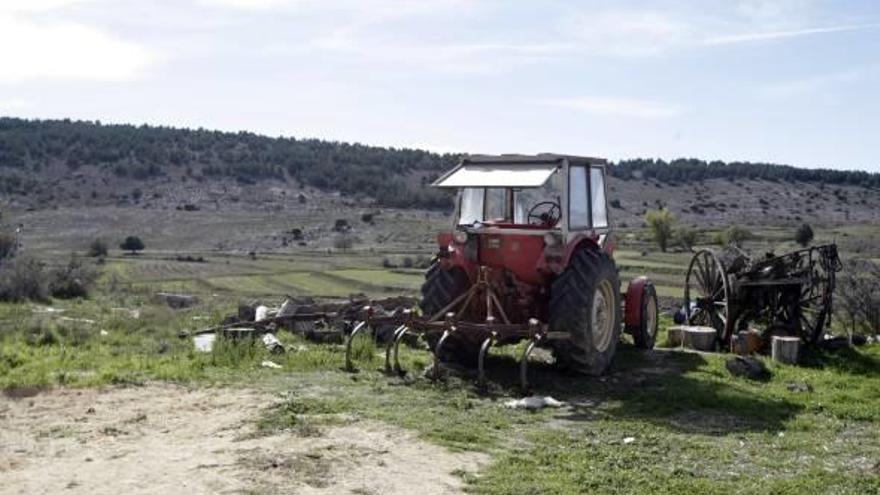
{"x":169,"y":439}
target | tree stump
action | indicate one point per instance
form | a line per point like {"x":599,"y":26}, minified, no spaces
{"x":786,"y":349}
{"x":673,"y":336}
{"x":699,"y":338}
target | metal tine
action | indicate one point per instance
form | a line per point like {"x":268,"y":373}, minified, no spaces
{"x":534,"y":325}
{"x":349,"y":365}
{"x":390,"y":344}
{"x":450,"y":329}
{"x":397,"y":341}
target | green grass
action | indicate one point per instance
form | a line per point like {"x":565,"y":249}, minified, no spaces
{"x":694,"y":427}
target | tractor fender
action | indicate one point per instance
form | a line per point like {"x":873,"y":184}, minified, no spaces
{"x":635,"y":294}
{"x":451,"y":254}
{"x":581,"y":241}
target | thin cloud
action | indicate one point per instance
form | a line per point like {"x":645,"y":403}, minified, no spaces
{"x":65,"y":50}
{"x":620,"y":107}
{"x":774,"y":35}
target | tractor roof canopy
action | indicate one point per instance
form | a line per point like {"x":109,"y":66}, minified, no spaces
{"x":507,"y":170}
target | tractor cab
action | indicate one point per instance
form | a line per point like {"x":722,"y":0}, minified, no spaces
{"x":522,"y":213}
{"x":542,"y":193}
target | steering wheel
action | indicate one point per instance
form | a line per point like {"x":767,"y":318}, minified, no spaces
{"x":550,"y":217}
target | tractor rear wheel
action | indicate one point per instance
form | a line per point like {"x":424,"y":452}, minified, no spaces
{"x":441,"y":287}
{"x":585,"y":304}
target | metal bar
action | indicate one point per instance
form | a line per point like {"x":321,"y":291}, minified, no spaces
{"x":436,"y":372}
{"x":500,"y":308}
{"x":524,"y":359}
{"x":451,"y":305}
{"x":397,"y":341}
{"x":349,"y":366}
{"x":484,"y":349}
{"x":388,"y":346}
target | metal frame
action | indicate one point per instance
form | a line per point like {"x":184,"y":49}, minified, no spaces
{"x":408,"y":324}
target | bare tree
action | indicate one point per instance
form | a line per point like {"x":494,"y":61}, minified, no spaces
{"x":858,"y":291}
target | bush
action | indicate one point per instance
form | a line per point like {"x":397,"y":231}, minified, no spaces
{"x":133,"y":244}
{"x":733,"y":236}
{"x":804,"y":235}
{"x":7,"y":245}
{"x":343,"y":242}
{"x":74,"y":279}
{"x":858,"y":290}
{"x":23,"y":279}
{"x":686,"y":237}
{"x":97,"y":248}
{"x":660,"y":222}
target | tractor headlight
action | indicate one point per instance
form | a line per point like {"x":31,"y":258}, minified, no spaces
{"x":551,"y":239}
{"x":460,"y":236}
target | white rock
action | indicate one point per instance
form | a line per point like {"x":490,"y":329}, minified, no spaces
{"x":270,"y":364}
{"x":629,"y":440}
{"x":262,"y":313}
{"x":533,"y":402}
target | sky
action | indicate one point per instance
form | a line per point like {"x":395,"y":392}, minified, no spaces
{"x":784,"y":81}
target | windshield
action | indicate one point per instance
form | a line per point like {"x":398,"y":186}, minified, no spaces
{"x":499,"y":204}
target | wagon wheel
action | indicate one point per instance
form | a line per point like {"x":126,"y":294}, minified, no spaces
{"x":814,"y":307}
{"x":707,"y":294}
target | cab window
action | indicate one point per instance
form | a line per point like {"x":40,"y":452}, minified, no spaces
{"x":597,"y":192}
{"x":578,"y":206}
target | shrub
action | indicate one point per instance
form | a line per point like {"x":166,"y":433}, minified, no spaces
{"x":735,"y":235}
{"x":343,"y":242}
{"x":132,"y":244}
{"x":858,"y":290}
{"x":7,"y":245}
{"x":341,"y":225}
{"x":97,"y":248}
{"x":660,"y":222}
{"x":804,"y":235}
{"x":23,"y":279}
{"x":686,"y":237}
{"x":71,"y":280}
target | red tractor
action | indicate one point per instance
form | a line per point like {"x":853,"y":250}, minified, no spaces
{"x":530,"y":256}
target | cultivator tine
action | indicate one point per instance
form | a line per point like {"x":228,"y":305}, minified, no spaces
{"x":397,"y":339}
{"x":524,"y":359}
{"x":391,"y":343}
{"x":450,"y":329}
{"x":349,"y":365}
{"x":481,"y":359}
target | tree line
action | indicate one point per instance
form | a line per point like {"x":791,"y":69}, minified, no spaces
{"x":393,"y":176}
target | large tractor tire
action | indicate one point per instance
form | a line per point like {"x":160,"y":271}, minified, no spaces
{"x":440,"y":288}
{"x":585,"y":304}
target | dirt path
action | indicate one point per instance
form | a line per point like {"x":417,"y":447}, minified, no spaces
{"x":168,"y":439}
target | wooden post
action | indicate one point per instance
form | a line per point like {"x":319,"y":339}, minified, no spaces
{"x":673,"y":336}
{"x":746,"y":342}
{"x":786,"y":349}
{"x":699,"y":338}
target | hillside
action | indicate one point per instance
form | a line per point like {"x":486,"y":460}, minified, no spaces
{"x":63,"y":164}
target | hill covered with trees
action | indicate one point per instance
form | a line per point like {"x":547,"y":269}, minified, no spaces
{"x":33,"y":150}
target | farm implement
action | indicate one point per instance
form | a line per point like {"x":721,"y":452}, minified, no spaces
{"x":789,"y":294}
{"x":529,"y":257}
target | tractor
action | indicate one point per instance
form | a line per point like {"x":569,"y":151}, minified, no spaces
{"x":529,"y":257}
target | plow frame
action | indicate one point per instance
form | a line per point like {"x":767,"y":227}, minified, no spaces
{"x":490,"y":332}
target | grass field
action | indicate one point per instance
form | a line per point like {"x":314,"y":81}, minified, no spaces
{"x":660,"y":422}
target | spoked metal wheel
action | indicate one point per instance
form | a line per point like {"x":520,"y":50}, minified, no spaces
{"x":603,"y":315}
{"x":707,"y":294}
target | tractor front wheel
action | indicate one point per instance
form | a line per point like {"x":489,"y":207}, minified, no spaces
{"x":585,"y":304}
